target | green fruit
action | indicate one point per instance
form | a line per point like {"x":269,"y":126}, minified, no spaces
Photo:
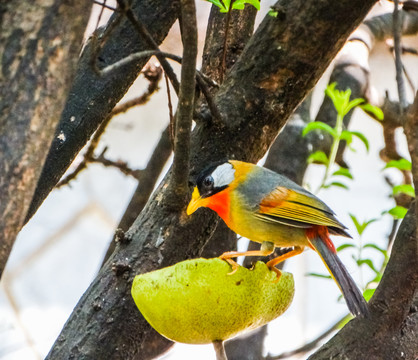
{"x":197,"y":301}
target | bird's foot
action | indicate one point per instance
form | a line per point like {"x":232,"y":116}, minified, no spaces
{"x":278,"y":273}
{"x":234,"y":264}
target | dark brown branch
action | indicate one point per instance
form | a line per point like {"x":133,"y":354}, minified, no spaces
{"x":312,"y":344}
{"x":397,"y":29}
{"x":92,"y":97}
{"x":103,"y":4}
{"x":153,"y":74}
{"x":390,"y":331}
{"x":279,"y":66}
{"x":180,"y":169}
{"x":146,"y":184}
{"x":145,"y":34}
{"x":39,"y":46}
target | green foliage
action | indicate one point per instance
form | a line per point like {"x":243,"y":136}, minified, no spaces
{"x":398,"y":212}
{"x":224,"y":5}
{"x":403,"y":189}
{"x":318,"y":157}
{"x":273,"y":13}
{"x":402,"y":164}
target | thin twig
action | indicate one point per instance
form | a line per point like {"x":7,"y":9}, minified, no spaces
{"x":153,"y":74}
{"x":99,"y":18}
{"x":180,"y":168}
{"x":142,"y":31}
{"x":397,"y":30}
{"x":89,"y":155}
{"x":312,"y":344}
{"x":170,"y":113}
{"x":219,"y":350}
{"x":103,"y":5}
{"x":121,"y":165}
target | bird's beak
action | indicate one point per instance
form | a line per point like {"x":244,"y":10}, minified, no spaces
{"x":196,"y":202}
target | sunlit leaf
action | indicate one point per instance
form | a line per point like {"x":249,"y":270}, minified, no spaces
{"x":352,"y":104}
{"x":323,"y":276}
{"x":368,"y":293}
{"x":346,"y":136}
{"x":374,"y":246}
{"x":398,"y":212}
{"x":374,"y":110}
{"x":336,"y":183}
{"x":404,"y":189}
{"x":345,"y":246}
{"x":401,"y":164}
{"x":319,"y":125}
{"x":343,"y":172}
{"x":363,"y":138}
{"x":240,"y":4}
{"x":318,"y":157}
{"x":220,"y":5}
{"x":369,"y":263}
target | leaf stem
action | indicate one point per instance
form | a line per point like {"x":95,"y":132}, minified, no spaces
{"x":334,"y":150}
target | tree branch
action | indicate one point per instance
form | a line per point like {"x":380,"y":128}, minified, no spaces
{"x":93,"y":97}
{"x":277,"y":69}
{"x":39,"y":46}
{"x":180,"y":169}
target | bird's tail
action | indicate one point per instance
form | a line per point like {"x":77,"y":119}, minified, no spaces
{"x":321,"y":243}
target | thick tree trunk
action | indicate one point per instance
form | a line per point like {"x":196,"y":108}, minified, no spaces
{"x":39,"y":47}
{"x":277,"y":69}
{"x":92,"y":97}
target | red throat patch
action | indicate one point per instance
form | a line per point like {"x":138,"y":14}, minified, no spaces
{"x":220,"y":203}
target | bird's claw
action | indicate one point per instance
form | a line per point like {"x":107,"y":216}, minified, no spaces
{"x":234,"y":265}
{"x":278,"y":274}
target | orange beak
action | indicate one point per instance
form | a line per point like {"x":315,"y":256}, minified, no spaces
{"x":196,"y":202}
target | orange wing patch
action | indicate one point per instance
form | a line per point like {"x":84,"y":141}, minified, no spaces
{"x":288,"y":204}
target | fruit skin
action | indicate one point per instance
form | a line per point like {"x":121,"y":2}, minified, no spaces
{"x":197,"y":301}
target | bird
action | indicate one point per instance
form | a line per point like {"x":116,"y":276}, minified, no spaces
{"x":271,"y":209}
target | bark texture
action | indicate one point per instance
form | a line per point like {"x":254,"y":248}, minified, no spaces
{"x":93,"y":97}
{"x":39,"y":46}
{"x":391,"y":330}
{"x":277,"y":69}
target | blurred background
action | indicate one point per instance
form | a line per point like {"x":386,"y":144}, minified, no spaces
{"x":61,"y":249}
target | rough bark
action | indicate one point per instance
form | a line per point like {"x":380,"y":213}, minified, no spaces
{"x":390,"y":332}
{"x":277,"y":69}
{"x":39,"y":46}
{"x":93,"y":97}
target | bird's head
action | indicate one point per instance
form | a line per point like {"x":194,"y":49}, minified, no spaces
{"x":212,"y":186}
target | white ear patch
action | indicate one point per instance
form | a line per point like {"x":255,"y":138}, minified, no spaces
{"x":223,"y":175}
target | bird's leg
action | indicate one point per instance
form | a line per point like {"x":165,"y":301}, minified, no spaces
{"x":266,"y":249}
{"x":272,"y":263}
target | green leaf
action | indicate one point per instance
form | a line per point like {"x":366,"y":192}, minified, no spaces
{"x":360,"y":227}
{"x":346,"y":136}
{"x":318,"y":157}
{"x":374,"y":246}
{"x":352,"y":104}
{"x":221,"y":5}
{"x":363,"y":138}
{"x":240,"y":4}
{"x":343,"y":172}
{"x":368,"y":293}
{"x":322,"y":276}
{"x":398,"y":212}
{"x":401,"y":164}
{"x":336,"y":183}
{"x":404,"y":189}
{"x":369,"y":263}
{"x":374,"y":110}
{"x":318,"y":125}
{"x":273,"y":13}
{"x":345,"y":246}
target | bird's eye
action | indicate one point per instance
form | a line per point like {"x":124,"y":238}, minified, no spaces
{"x":208,"y":182}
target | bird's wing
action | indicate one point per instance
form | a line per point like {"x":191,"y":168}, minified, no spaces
{"x":294,"y":208}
